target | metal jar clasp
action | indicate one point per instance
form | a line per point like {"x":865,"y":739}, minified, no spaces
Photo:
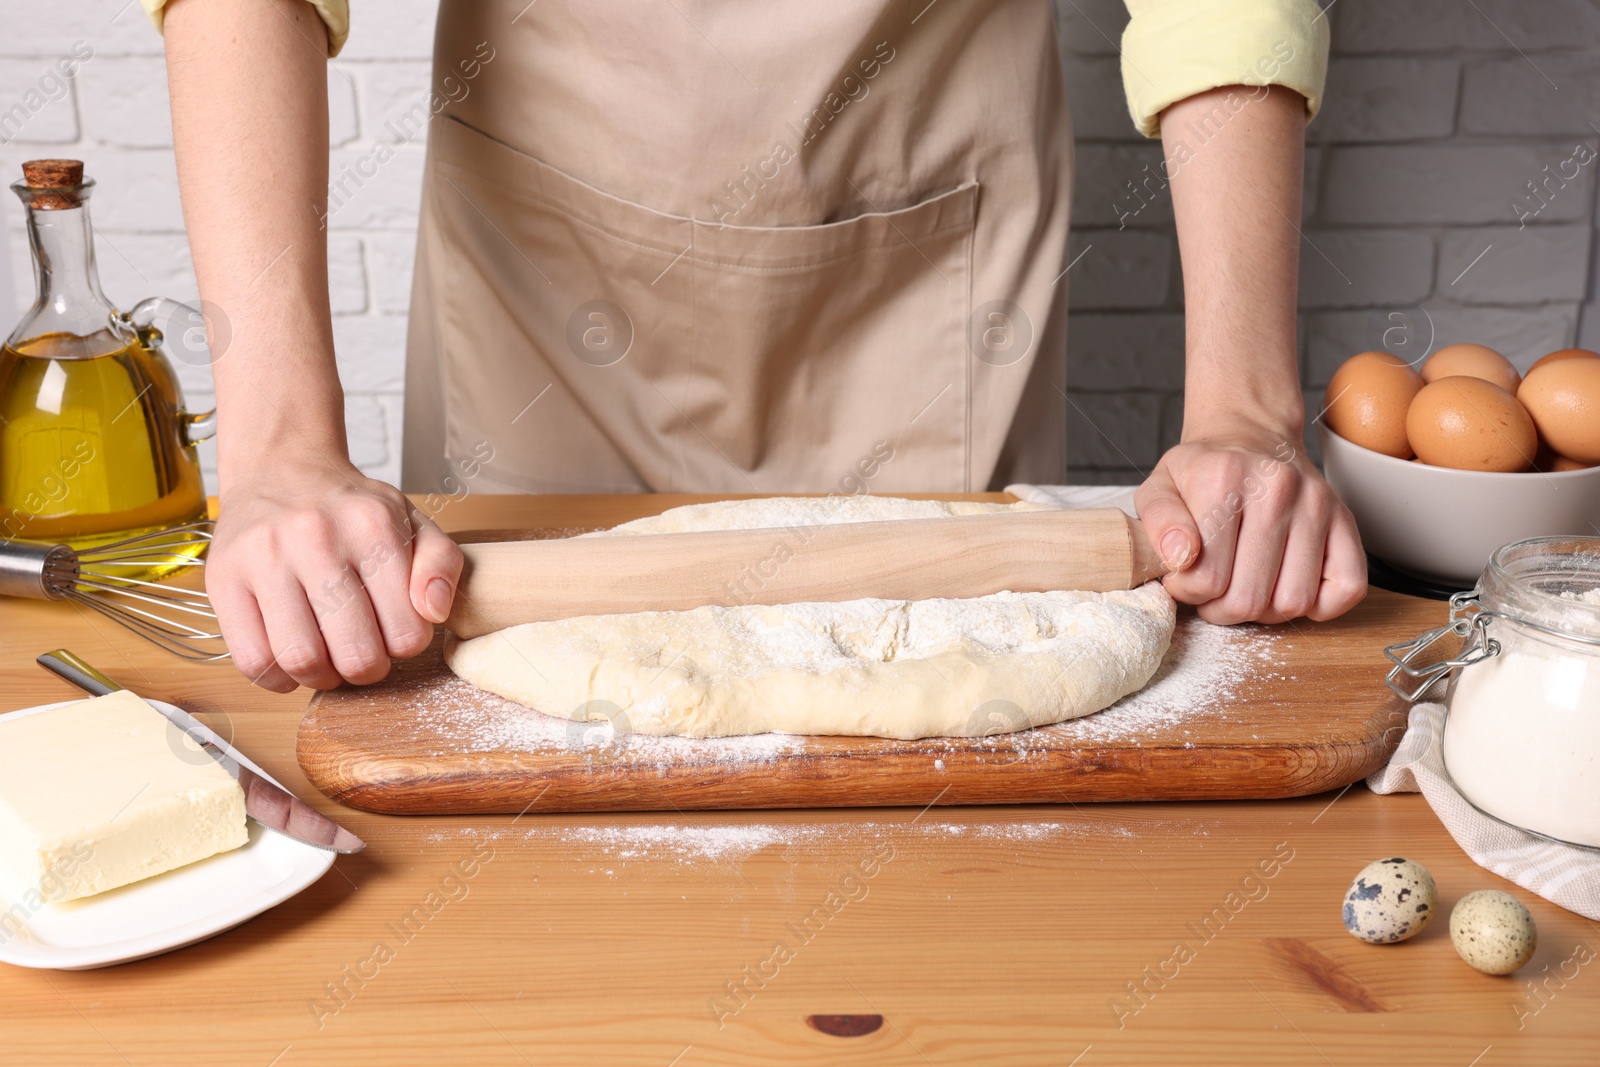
{"x":1466,"y":616}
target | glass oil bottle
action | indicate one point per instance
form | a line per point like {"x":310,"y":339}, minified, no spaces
{"x":95,"y":444}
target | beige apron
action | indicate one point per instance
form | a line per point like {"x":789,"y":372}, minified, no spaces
{"x":720,"y":247}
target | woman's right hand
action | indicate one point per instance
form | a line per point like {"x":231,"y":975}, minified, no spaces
{"x":321,"y":575}
{"x":318,"y":573}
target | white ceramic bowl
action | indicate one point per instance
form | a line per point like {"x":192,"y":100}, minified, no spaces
{"x":1443,"y":524}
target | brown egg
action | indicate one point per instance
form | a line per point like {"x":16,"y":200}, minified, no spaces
{"x":1473,"y":361}
{"x":1549,"y":462}
{"x":1564,"y":399}
{"x":1470,"y":424}
{"x":1564,"y":353}
{"x":1367,"y":399}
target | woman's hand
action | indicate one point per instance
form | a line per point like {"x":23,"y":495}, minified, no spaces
{"x":320,"y":575}
{"x":1251,"y":530}
{"x":1248,"y":526}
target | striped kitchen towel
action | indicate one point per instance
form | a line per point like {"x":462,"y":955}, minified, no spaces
{"x":1562,"y":874}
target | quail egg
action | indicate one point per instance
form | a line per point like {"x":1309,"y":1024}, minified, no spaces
{"x":1390,"y":900}
{"x":1493,"y":932}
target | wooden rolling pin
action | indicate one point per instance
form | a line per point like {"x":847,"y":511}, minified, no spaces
{"x":511,"y":582}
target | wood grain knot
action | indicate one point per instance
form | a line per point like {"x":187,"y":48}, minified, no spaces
{"x":1327,"y":975}
{"x":845,"y":1025}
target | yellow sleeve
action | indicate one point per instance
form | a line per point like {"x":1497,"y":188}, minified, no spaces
{"x":335,"y":14}
{"x":1173,"y":49}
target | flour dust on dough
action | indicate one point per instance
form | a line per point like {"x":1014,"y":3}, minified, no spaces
{"x":884,"y":668}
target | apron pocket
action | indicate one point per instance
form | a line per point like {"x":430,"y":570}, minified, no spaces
{"x":598,"y":344}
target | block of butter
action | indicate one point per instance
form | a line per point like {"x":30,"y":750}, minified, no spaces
{"x":103,"y":792}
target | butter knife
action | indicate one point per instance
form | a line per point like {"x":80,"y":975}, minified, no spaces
{"x":264,"y":801}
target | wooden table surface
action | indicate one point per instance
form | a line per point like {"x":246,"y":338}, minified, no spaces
{"x":1157,"y":933}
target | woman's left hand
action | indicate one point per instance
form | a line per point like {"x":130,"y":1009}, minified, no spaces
{"x":1251,"y":531}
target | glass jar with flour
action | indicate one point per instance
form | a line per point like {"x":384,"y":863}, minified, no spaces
{"x":1522,"y":720}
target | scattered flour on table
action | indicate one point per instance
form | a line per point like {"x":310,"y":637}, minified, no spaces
{"x":708,"y":842}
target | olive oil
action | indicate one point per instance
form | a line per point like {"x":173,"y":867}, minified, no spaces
{"x":95,"y":445}
{"x":92,"y":447}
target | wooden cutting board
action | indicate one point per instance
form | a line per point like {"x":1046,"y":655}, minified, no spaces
{"x":1235,"y":713}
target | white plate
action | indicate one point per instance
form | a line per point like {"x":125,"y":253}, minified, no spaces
{"x":159,"y":914}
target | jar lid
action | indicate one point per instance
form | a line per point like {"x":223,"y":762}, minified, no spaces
{"x":1554,"y":581}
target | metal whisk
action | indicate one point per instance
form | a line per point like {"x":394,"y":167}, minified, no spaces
{"x":107,"y":578}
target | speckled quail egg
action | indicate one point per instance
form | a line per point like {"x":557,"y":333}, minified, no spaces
{"x":1493,"y":932}
{"x":1390,"y":900}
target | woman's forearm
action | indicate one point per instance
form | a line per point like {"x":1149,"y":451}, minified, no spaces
{"x":1251,"y":529}
{"x":248,"y":80}
{"x":1236,"y":156}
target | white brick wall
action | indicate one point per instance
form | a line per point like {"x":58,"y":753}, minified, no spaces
{"x":1438,"y":114}
{"x":116,"y":118}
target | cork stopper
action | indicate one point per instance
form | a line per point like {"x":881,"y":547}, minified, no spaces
{"x":55,"y":182}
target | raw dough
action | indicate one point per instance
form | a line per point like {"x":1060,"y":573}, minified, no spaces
{"x":905,"y":669}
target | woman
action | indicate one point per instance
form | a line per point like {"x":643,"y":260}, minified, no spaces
{"x":685,"y":247}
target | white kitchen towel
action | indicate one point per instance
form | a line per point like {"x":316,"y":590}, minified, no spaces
{"x":1078,"y":496}
{"x":1561,"y":874}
